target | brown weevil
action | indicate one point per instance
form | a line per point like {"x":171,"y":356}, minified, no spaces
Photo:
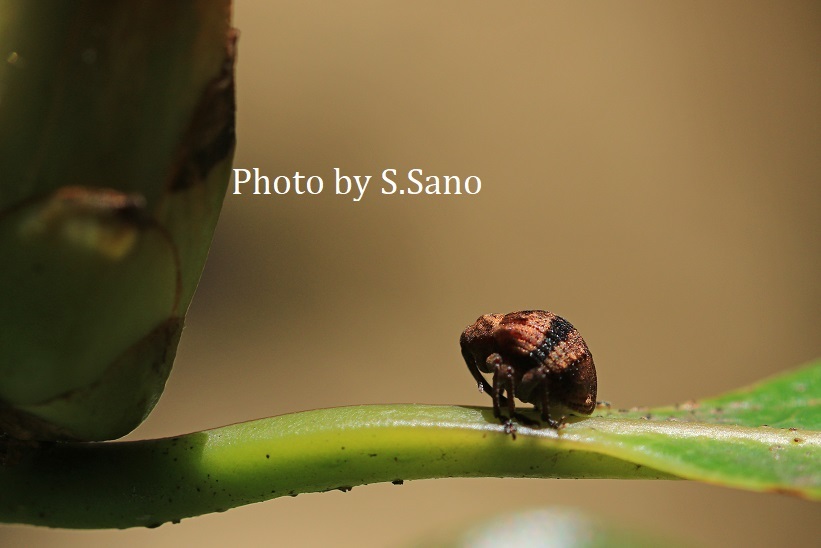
{"x":535,"y":356}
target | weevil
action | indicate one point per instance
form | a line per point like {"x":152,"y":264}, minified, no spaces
{"x":533,"y":355}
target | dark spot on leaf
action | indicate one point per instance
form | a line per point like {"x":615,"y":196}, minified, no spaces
{"x":210,"y":135}
{"x":398,"y":482}
{"x":371,"y":454}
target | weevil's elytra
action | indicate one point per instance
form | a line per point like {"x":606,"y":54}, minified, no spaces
{"x":535,"y":356}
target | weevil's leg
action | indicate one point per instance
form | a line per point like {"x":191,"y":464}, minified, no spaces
{"x":497,"y":412}
{"x":511,"y":390}
{"x":494,"y":361}
{"x":503,"y":381}
{"x":546,"y":405}
{"x":510,"y":428}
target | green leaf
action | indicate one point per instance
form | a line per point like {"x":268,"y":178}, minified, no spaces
{"x":789,"y":400}
{"x":766,"y":437}
{"x":126,"y":484}
{"x":116,"y":141}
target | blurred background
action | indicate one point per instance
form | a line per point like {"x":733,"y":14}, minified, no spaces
{"x":650,"y":171}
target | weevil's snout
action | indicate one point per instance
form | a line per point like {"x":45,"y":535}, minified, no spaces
{"x":469,"y":359}
{"x":477,"y":340}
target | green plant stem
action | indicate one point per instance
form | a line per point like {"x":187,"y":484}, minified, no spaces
{"x":147,"y":483}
